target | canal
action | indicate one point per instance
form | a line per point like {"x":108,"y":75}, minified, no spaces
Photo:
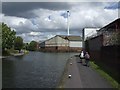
{"x":34,"y":70}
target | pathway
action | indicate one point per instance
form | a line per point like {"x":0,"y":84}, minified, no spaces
{"x":83,"y":77}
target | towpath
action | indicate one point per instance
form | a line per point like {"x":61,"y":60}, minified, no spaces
{"x":83,"y":77}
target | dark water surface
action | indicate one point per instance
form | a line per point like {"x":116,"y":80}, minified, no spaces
{"x":34,"y":70}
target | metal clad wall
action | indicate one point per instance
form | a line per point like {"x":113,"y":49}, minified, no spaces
{"x":51,"y":42}
{"x":75,"y":44}
{"x":61,"y":41}
{"x":56,"y":41}
{"x":42,"y":45}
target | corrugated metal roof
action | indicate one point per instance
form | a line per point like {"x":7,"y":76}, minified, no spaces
{"x":112,"y":26}
{"x":71,"y":38}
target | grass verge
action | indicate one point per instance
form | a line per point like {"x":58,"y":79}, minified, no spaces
{"x":113,"y":82}
{"x":9,"y":52}
{"x":64,"y":75}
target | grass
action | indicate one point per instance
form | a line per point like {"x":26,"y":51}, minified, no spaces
{"x":113,"y":82}
{"x":12,"y":51}
{"x":64,"y":75}
{"x":9,"y":51}
{"x":26,"y":52}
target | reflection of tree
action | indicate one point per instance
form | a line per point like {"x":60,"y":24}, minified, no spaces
{"x":8,"y":73}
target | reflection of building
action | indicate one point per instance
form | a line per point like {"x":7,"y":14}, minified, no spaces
{"x":62,"y":43}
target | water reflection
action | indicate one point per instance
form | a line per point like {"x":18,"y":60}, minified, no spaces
{"x":34,"y":70}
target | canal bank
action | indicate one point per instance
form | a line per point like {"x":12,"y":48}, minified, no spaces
{"x":11,"y":52}
{"x":72,"y":70}
{"x":81,"y":76}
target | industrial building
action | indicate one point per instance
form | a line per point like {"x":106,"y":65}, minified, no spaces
{"x":62,"y":43}
{"x":89,"y":32}
{"x":104,"y":48}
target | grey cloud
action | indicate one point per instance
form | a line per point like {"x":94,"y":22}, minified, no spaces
{"x":22,"y":9}
{"x":113,"y":5}
{"x":50,"y":31}
{"x":22,"y":30}
{"x":82,"y":15}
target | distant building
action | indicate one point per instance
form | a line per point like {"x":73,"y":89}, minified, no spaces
{"x":106,"y":36}
{"x":111,"y":27}
{"x":104,"y":48}
{"x":62,"y":43}
{"x":110,"y":33}
{"x":90,"y":32}
{"x":87,"y":33}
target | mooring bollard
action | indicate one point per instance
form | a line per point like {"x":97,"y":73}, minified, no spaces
{"x":69,"y":76}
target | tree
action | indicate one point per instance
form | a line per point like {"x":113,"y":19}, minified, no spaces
{"x":18,"y":44}
{"x":25,"y":46}
{"x":33,"y":46}
{"x":8,"y":37}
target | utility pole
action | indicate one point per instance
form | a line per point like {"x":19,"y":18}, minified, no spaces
{"x":68,"y":13}
{"x":83,"y":38}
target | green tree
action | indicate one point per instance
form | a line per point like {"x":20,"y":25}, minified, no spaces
{"x":25,"y":46}
{"x":18,"y":44}
{"x":8,"y":37}
{"x":33,"y":46}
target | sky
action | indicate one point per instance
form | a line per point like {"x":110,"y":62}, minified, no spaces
{"x":42,"y":20}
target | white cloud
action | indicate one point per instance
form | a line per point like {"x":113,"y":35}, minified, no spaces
{"x":13,"y":21}
{"x":81,"y":16}
{"x":57,"y":21}
{"x":60,"y":0}
{"x":35,"y":33}
{"x":47,"y":22}
{"x":21,"y":25}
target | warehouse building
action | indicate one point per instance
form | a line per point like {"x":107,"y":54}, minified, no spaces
{"x":62,"y":43}
{"x":104,"y":48}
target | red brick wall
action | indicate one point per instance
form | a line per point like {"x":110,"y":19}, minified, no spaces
{"x":106,"y":56}
{"x":61,"y":49}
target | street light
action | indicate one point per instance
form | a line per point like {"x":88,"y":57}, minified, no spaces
{"x":68,"y":14}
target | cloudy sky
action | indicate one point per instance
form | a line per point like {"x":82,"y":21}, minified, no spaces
{"x":42,"y":20}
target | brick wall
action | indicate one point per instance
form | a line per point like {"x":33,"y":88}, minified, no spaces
{"x":110,"y":57}
{"x":61,"y":49}
{"x":106,"y":56}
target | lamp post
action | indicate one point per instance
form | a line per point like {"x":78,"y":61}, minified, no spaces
{"x":68,"y":13}
{"x":83,"y":38}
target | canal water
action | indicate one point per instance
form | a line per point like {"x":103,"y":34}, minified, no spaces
{"x":34,"y":70}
